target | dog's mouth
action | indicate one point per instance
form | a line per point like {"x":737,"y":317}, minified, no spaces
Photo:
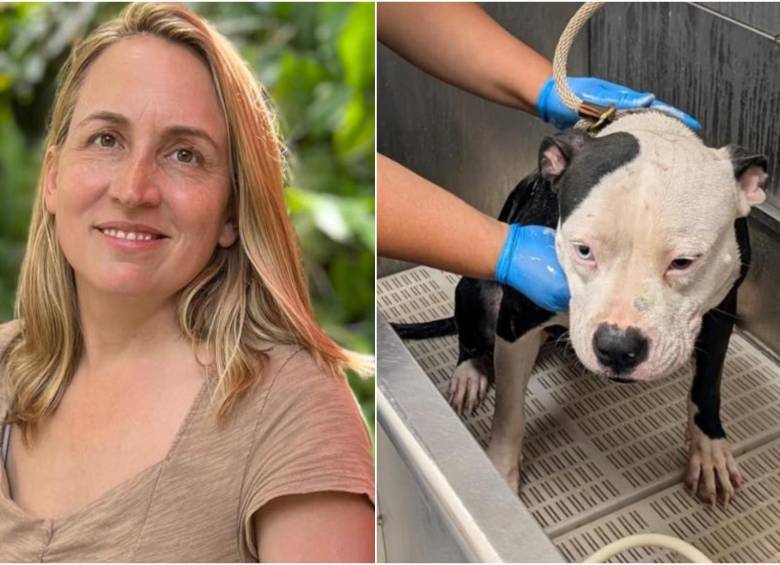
{"x":610,"y":374}
{"x":622,"y":380}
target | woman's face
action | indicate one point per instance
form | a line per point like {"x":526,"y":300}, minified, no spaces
{"x":140,"y":187}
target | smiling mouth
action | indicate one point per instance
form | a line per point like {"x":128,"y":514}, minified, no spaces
{"x":129,"y":235}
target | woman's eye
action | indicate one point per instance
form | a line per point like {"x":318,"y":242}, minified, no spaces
{"x":680,"y":264}
{"x":187,"y":156}
{"x":584,"y":252}
{"x":184,"y":155}
{"x":106,"y":140}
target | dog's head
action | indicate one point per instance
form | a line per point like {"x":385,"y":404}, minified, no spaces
{"x":646,"y":237}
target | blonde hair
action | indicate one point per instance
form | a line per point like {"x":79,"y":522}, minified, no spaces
{"x":249,"y":294}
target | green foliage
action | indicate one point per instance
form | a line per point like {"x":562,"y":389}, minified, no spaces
{"x":316,"y":61}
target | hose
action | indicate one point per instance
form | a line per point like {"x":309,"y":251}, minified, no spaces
{"x":691,"y":554}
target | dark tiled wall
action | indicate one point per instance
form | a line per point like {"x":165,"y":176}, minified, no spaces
{"x":725,"y":74}
{"x":761,"y":16}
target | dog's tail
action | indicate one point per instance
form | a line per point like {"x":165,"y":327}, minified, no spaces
{"x":425,"y":330}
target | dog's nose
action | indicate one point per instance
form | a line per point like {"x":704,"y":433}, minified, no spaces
{"x":619,"y":349}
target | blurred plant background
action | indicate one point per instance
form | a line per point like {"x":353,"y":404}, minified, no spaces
{"x":316,"y":60}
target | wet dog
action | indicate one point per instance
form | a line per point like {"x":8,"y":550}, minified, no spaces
{"x":652,"y":236}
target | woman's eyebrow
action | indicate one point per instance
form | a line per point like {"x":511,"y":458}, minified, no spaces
{"x":105,"y":116}
{"x":189,"y":131}
{"x":172,"y":131}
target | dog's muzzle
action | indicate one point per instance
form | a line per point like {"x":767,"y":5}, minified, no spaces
{"x":619,"y":349}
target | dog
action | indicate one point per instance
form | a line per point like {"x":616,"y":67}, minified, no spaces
{"x":651,"y":233}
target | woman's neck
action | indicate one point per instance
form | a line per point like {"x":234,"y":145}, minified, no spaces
{"x":120,"y":331}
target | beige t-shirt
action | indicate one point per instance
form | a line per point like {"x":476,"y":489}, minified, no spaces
{"x":296,"y":431}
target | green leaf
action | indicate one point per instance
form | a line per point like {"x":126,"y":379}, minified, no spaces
{"x":356,"y":47}
{"x":293,"y":90}
{"x":354,"y":139}
{"x":19,"y":168}
{"x":327,"y":107}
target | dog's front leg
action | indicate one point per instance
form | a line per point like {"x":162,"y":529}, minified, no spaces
{"x":513,"y":363}
{"x":711,"y":466}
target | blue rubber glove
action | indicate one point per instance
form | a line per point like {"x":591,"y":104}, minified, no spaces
{"x":597,"y":91}
{"x":528,"y":263}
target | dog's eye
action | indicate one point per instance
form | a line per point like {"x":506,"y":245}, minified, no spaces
{"x":681,"y":263}
{"x":584,"y":252}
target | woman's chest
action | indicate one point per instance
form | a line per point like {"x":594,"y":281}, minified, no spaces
{"x":185,"y":507}
{"x":92,"y":446}
{"x":159,"y":516}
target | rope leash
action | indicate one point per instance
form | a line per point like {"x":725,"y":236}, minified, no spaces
{"x":595,"y":117}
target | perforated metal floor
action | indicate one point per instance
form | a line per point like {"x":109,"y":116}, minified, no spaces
{"x":605,"y":460}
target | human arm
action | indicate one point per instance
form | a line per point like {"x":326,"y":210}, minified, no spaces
{"x":318,"y":527}
{"x":463,"y":46}
{"x":310,"y":469}
{"x":420,"y":222}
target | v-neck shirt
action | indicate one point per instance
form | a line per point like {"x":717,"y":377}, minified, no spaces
{"x":297,"y":430}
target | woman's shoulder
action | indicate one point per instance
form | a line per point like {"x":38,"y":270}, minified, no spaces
{"x":311,"y":419}
{"x":8,"y":330}
{"x":297,"y":371}
{"x":278,"y":361}
{"x":296,"y":392}
{"x":294,"y":381}
{"x":310,"y":437}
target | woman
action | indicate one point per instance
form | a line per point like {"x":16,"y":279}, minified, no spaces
{"x":167,"y":393}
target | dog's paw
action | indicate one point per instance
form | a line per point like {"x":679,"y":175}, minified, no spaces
{"x":712,"y":472}
{"x":508,"y":464}
{"x":468,"y":388}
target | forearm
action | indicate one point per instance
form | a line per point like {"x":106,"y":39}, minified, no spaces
{"x":462,"y":45}
{"x":420,"y":222}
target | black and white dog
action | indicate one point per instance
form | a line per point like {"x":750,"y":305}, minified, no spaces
{"x":652,"y":236}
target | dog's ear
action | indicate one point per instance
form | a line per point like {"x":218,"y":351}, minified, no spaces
{"x":750,"y":170}
{"x":557,"y":151}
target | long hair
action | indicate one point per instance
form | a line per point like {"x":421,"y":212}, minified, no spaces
{"x":249,"y":294}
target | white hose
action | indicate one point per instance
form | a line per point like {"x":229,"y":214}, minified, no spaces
{"x":685,"y":549}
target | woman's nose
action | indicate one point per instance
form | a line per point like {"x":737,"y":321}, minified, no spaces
{"x":136,"y":183}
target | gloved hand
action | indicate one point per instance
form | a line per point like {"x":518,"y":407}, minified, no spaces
{"x":528,"y":263}
{"x":551,"y":108}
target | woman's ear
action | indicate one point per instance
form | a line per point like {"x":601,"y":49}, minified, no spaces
{"x":228,"y":234}
{"x":50,"y":165}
